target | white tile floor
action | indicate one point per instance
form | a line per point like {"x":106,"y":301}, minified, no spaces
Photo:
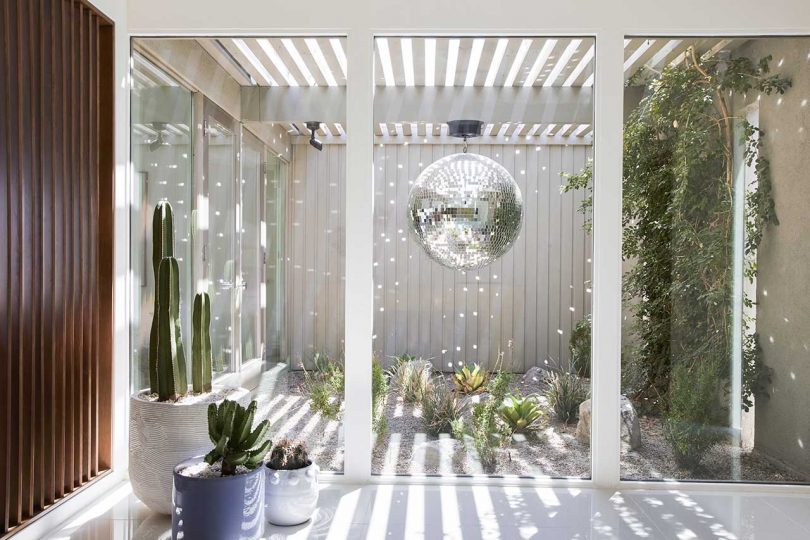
{"x":477,"y":512}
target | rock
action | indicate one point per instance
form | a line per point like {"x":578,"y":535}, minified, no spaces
{"x":630,"y":428}
{"x":535,"y":376}
{"x":583,"y":432}
{"x":630,"y":425}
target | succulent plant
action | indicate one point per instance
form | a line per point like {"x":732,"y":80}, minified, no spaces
{"x":470,"y":381}
{"x":521,"y":413}
{"x":201,"y":344}
{"x":167,"y":359}
{"x":236,"y":442}
{"x":288,"y":455}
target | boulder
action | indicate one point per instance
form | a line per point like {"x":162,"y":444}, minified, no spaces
{"x":535,"y":376}
{"x":630,"y":428}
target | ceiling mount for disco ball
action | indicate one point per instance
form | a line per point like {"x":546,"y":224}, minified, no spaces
{"x":465,"y":210}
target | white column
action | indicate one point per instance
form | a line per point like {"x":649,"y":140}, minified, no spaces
{"x":359,"y":254}
{"x":607,"y":260}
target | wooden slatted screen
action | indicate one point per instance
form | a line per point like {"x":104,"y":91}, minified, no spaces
{"x":56,"y":251}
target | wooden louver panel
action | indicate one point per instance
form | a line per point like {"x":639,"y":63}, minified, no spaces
{"x":56,"y":252}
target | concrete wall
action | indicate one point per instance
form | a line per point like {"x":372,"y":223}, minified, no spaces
{"x":783,"y":310}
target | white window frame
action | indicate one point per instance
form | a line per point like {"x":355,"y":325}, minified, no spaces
{"x":361,"y":21}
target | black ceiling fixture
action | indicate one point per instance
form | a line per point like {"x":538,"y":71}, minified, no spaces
{"x":465,"y":129}
{"x":314,"y":126}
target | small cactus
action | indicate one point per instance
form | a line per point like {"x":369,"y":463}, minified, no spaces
{"x":167,"y":298}
{"x":288,"y":455}
{"x":230,"y":428}
{"x":201,"y":344}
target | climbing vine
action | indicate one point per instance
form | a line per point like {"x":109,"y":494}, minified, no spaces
{"x":678,"y":218}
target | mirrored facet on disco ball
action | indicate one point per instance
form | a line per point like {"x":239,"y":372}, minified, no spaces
{"x":465,"y":210}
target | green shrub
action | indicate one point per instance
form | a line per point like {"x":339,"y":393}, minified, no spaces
{"x":580,"y":346}
{"x":487,"y":431}
{"x":565,"y":393}
{"x":458,"y":429}
{"x":410,"y":378}
{"x":325,"y":385}
{"x":521,"y":413}
{"x":441,"y":407}
{"x":379,"y":393}
{"x":695,"y":418}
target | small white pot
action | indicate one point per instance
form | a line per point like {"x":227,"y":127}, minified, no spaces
{"x":291,"y":496}
{"x":161,"y":435}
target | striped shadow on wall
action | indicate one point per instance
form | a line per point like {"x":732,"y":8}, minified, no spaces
{"x":524,"y":304}
{"x":56,"y":222}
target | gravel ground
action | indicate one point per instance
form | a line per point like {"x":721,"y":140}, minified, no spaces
{"x":553,"y":451}
{"x":654,"y":460}
{"x":280,"y":399}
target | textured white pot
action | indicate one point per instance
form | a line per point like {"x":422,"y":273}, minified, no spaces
{"x":291,"y":496}
{"x":161,"y":435}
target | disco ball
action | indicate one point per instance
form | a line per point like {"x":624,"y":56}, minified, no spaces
{"x":465,"y":211}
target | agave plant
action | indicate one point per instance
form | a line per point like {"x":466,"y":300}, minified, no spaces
{"x":521,"y":413}
{"x":470,"y":381}
{"x":230,"y":427}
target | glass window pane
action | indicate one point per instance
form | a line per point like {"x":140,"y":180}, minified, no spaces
{"x":220,"y":246}
{"x":714,"y":219}
{"x":161,"y":171}
{"x":482,"y":255}
{"x":252,"y":304}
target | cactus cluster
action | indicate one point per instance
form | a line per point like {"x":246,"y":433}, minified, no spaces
{"x":288,"y":455}
{"x":236,"y":442}
{"x":167,"y":359}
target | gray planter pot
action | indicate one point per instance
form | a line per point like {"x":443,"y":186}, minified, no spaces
{"x":227,"y":507}
{"x":161,"y":435}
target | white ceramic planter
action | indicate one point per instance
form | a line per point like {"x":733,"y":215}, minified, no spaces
{"x":161,"y":435}
{"x":291,"y":496}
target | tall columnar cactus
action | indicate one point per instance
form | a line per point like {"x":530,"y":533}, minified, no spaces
{"x":230,"y":428}
{"x":171,"y":372}
{"x":201,"y":344}
{"x":169,"y":298}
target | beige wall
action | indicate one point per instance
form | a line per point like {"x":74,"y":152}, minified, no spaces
{"x":783,"y":310}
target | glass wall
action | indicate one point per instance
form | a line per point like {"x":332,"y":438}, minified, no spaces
{"x":220,"y":242}
{"x":482,"y":256}
{"x":714,"y":356}
{"x":161,"y":171}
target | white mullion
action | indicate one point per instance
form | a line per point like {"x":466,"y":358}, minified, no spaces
{"x":359,"y":256}
{"x":607,"y":261}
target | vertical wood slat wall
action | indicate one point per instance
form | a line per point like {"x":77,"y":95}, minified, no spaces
{"x":56,"y":226}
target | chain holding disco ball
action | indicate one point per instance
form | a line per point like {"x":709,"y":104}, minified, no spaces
{"x":465,"y":210}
